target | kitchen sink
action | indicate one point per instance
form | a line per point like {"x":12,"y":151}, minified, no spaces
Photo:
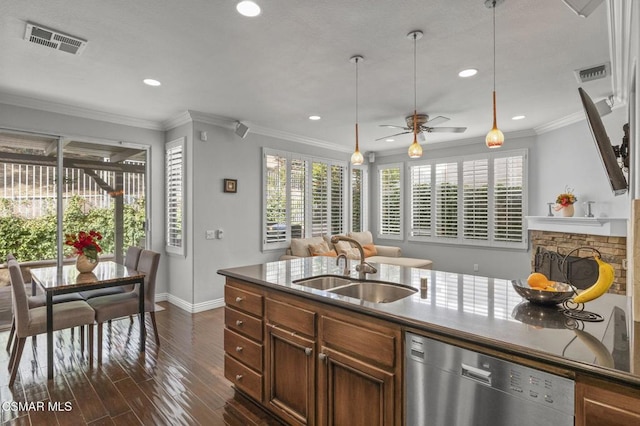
{"x":375,"y":292}
{"x":324,"y":282}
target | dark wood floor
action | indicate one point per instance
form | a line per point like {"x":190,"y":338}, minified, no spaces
{"x":179,"y":383}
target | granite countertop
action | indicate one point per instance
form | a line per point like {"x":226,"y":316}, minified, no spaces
{"x":482,"y":310}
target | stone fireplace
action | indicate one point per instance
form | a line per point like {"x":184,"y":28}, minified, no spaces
{"x":551,"y":247}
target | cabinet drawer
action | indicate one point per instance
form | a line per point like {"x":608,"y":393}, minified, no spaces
{"x":243,"y":377}
{"x":244,"y":324}
{"x":366,"y":344}
{"x":243,"y":300}
{"x":243,"y":349}
{"x":291,"y":317}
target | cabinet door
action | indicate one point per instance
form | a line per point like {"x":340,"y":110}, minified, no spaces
{"x":290,"y":375}
{"x":353,"y":392}
{"x":604,"y":404}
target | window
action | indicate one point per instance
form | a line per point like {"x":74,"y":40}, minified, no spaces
{"x":478,"y":201}
{"x":358,"y":199}
{"x":174,"y":169}
{"x":390,"y":196}
{"x":303,"y":197}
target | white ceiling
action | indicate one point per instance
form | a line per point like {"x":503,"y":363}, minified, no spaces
{"x":275,"y":70}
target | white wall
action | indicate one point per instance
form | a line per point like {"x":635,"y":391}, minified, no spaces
{"x":568,"y":157}
{"x":50,"y":123}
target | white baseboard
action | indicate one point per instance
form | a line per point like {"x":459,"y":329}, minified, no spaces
{"x":190,"y":307}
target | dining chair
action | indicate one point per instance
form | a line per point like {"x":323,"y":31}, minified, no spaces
{"x":31,"y":322}
{"x":37,"y":301}
{"x":126,"y":304}
{"x":131,"y":262}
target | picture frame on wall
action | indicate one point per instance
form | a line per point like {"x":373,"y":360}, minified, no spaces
{"x":231,"y":185}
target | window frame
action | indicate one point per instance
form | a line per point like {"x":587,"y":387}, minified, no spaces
{"x":171,"y":248}
{"x":460,"y":239}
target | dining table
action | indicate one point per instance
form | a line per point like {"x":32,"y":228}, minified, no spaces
{"x":67,"y":279}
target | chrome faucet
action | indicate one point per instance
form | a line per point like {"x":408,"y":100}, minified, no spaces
{"x":346,"y":270}
{"x":363,"y":268}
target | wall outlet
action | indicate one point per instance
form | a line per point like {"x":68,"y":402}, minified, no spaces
{"x":476,"y":267}
{"x":210,"y":235}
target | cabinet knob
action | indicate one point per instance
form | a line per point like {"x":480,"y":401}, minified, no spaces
{"x":238,"y":299}
{"x":239,"y":323}
{"x":238,"y":377}
{"x":322,"y":357}
{"x":308,"y":351}
{"x":238,"y":348}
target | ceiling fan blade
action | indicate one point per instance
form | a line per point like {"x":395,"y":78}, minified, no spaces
{"x":391,"y":126}
{"x":422,"y":137}
{"x":390,"y":136}
{"x":445,"y":129}
{"x":437,"y":120}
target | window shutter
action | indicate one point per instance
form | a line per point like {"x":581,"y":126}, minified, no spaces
{"x":356,"y":197}
{"x":446,"y":181}
{"x":390,"y":202}
{"x":421,"y":200}
{"x":508,"y":198}
{"x":298,"y":197}
{"x":337,"y":199}
{"x":475,"y":199}
{"x":275,"y":199}
{"x":319,"y":198}
{"x":174,"y":169}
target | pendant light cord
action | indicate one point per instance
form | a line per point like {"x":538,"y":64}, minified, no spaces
{"x":415,"y":85}
{"x":494,"y":45}
{"x":357,"y":144}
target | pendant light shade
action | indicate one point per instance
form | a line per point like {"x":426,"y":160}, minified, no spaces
{"x":357,"y":158}
{"x":415,"y":150}
{"x":495,"y":138}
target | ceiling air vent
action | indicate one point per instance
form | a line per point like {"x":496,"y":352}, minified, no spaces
{"x":593,"y":73}
{"x":54,"y":39}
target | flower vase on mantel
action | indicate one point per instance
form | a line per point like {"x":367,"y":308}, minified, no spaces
{"x":85,"y":264}
{"x":568,"y":210}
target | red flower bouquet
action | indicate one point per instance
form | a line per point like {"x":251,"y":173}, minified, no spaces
{"x":85,"y":243}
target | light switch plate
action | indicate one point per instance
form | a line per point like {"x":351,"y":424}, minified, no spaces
{"x":210,"y":235}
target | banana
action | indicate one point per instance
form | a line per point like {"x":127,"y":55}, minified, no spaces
{"x":601,"y":286}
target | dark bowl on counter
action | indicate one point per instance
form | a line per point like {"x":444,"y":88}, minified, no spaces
{"x":543,"y":297}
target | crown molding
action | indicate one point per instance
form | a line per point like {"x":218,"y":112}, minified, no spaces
{"x":559,"y":123}
{"x":317,"y":143}
{"x":74,"y":111}
{"x":620,"y":28}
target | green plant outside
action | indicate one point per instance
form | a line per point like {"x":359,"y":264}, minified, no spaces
{"x":35,"y":239}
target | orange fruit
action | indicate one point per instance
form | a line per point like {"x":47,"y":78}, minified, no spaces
{"x":537,"y":280}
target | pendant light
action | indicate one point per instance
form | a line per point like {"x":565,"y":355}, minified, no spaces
{"x":356,"y":157}
{"x":415,"y":150}
{"x":495,"y":138}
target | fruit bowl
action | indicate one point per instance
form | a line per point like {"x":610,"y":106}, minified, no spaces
{"x":543,"y":297}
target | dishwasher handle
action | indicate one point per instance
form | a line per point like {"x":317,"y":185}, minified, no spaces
{"x":476,"y":374}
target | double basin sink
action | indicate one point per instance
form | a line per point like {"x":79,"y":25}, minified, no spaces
{"x":370,"y":291}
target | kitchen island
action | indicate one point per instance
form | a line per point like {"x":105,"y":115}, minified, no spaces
{"x":335,"y":341}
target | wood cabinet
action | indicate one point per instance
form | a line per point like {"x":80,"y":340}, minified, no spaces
{"x":311,"y":363}
{"x":602,"y":403}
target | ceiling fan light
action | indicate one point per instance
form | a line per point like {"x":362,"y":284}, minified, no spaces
{"x":495,"y":138}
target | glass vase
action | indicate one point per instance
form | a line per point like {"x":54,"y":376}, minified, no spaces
{"x":85,"y":264}
{"x":568,"y":210}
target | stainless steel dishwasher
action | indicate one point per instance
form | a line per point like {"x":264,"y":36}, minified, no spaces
{"x":450,"y":386}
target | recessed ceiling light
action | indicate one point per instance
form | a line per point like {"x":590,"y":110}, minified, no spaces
{"x":468,"y":72}
{"x":151,"y":82}
{"x":518,"y":117}
{"x":314,"y":117}
{"x":248,"y":8}
{"x":389,"y":140}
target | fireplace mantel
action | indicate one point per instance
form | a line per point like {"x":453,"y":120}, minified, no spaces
{"x":608,"y":226}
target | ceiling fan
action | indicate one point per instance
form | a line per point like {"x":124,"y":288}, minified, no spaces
{"x":423,"y":125}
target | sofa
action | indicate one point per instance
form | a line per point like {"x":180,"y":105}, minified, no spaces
{"x":374,"y":253}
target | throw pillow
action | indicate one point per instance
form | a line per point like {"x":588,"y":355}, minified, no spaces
{"x":342,"y":246}
{"x":369,"y":250}
{"x":316,"y":249}
{"x":352,"y":253}
{"x":330,"y":253}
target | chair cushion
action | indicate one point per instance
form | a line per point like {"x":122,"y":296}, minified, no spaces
{"x":364,"y":237}
{"x":316,"y":249}
{"x":369,"y":250}
{"x":90,"y":294}
{"x":117,"y":305}
{"x":41,"y":299}
{"x":65,"y":315}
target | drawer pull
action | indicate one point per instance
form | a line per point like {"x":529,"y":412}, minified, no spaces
{"x":322,"y":357}
{"x":308,"y":351}
{"x":239,"y":299}
{"x":238,"y":348}
{"x":239,"y":323}
{"x":238,"y":377}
